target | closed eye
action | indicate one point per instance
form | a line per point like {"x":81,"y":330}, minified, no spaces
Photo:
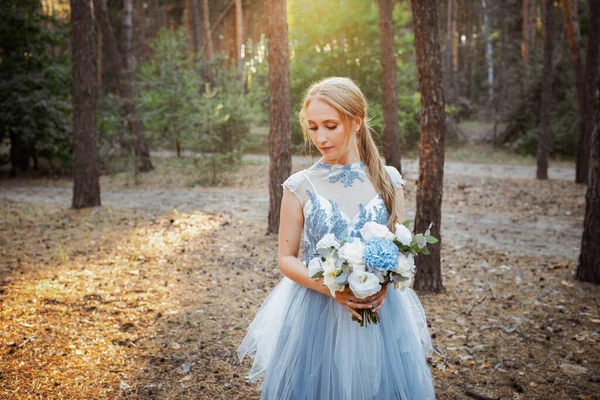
{"x":332,"y":127}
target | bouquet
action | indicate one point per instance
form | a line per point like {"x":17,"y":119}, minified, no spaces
{"x":367,"y":265}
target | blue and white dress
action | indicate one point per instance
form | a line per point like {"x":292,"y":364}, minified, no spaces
{"x":304,"y":344}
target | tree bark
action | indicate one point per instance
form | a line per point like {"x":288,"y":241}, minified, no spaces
{"x":280,"y":132}
{"x":389,"y":84}
{"x":208,"y":44}
{"x":546,"y":98}
{"x":197,"y":26}
{"x":528,"y":23}
{"x":142,"y":153}
{"x":489,"y":52}
{"x":591,"y":73}
{"x":431,"y":155}
{"x":239,"y":37}
{"x":448,"y":60}
{"x":118,"y":67}
{"x":86,"y":183}
{"x":573,"y":37}
{"x":469,"y":51}
{"x":588,"y":267}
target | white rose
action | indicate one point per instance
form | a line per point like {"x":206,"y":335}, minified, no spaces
{"x":406,"y":265}
{"x":329,"y":266}
{"x":363,"y":284}
{"x":315,"y":268}
{"x":403,"y":234}
{"x":373,"y":229}
{"x":353,"y":252}
{"x":327,"y":245}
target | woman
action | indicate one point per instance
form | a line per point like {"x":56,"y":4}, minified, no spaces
{"x":304,"y":342}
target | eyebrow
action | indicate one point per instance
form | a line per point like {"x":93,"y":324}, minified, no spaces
{"x":325,"y":121}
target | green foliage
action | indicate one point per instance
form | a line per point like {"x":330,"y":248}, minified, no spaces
{"x":35,"y":82}
{"x":169,"y":87}
{"x":336,"y":38}
{"x":180,"y":110}
{"x":564,"y":129}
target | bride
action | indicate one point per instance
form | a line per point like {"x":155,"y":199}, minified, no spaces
{"x":303,"y":340}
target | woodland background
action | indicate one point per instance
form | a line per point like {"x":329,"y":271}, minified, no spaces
{"x":148,"y":296}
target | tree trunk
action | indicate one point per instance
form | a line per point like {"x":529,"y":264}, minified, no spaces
{"x":239,"y":37}
{"x":208,"y":44}
{"x":431,"y":156}
{"x":546,"y":97}
{"x":280,"y":132}
{"x":448,"y":60}
{"x":488,"y":51}
{"x":197,"y":26}
{"x":591,"y":73}
{"x":124,"y":79}
{"x":86,"y":183}
{"x":588,"y":268}
{"x":528,"y":23}
{"x":469,"y":51}
{"x":573,"y":36}
{"x":142,"y":153}
{"x":390,"y":97}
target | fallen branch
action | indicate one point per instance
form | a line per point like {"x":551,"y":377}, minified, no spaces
{"x":476,"y":304}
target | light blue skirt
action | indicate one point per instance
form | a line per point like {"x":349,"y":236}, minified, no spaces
{"x":306,"y":346}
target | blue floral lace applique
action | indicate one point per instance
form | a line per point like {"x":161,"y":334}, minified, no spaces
{"x":316,"y":224}
{"x":338,"y":224}
{"x":347,"y":175}
{"x":381,"y":214}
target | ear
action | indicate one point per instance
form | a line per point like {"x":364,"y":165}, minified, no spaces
{"x":357,"y":124}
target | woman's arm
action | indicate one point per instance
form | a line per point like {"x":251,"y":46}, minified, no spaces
{"x":290,"y":231}
{"x":400,"y":204}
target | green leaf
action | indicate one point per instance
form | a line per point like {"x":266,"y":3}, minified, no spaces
{"x":317,"y":275}
{"x":425,"y":251}
{"x":432,"y":240}
{"x":406,"y":223}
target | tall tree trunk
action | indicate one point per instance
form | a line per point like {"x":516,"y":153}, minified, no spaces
{"x":449,"y":78}
{"x":142,"y":153}
{"x":208,"y":44}
{"x":469,"y":51}
{"x":546,"y":100}
{"x":588,"y":268}
{"x":455,"y":38}
{"x":239,"y":37}
{"x":489,"y":55}
{"x":86,"y":183}
{"x":591,"y":73}
{"x":197,"y":26}
{"x":124,"y":79}
{"x":431,"y":155}
{"x":573,"y":36}
{"x":280,"y":131}
{"x":528,"y":25}
{"x":389,"y":84}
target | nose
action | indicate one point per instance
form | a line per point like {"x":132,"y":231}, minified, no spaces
{"x":321,"y":138}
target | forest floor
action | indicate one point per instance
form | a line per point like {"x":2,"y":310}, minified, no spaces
{"x":149,"y":296}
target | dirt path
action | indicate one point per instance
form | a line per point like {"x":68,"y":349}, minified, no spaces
{"x":503,"y":215}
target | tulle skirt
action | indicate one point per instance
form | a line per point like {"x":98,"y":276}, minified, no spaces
{"x":306,"y":346}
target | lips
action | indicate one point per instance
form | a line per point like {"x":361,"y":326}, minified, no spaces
{"x":325,"y":149}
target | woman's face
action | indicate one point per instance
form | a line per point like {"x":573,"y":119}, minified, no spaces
{"x":327,"y":130}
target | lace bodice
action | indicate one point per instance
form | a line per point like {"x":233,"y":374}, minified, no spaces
{"x":337,"y":199}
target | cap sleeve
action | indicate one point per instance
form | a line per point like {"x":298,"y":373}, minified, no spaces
{"x":395,"y":176}
{"x":294,"y":181}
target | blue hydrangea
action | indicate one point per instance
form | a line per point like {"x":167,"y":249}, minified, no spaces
{"x":381,"y":254}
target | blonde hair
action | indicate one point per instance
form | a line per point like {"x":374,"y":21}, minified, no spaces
{"x":346,"y":97}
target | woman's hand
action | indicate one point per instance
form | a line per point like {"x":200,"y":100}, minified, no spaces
{"x":352,"y":303}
